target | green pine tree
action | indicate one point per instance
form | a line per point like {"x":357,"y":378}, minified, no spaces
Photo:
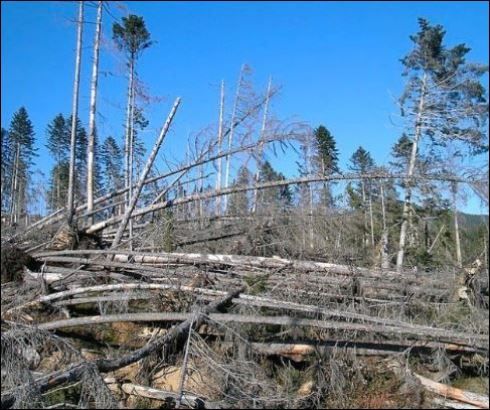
{"x":21,"y":134}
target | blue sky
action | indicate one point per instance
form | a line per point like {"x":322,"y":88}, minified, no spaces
{"x":337,"y":62}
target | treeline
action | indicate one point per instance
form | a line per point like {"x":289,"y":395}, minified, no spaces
{"x":443,"y":114}
{"x":99,"y":167}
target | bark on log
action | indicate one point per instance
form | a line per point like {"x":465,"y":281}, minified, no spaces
{"x":188,"y":399}
{"x":464,"y":396}
{"x":452,"y":404}
{"x":436,"y":334}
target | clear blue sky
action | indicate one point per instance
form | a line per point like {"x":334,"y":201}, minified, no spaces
{"x":337,"y":62}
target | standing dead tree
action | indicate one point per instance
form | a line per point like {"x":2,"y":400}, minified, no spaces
{"x":76,"y":86}
{"x":92,"y":112}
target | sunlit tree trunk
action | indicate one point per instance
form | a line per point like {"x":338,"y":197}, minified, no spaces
{"x":220,"y":137}
{"x":231,"y":133}
{"x":385,"y":263}
{"x":261,"y":145}
{"x":411,"y":168}
{"x":13,"y":195}
{"x":91,"y":123}
{"x":76,"y":86}
{"x":459,"y":259}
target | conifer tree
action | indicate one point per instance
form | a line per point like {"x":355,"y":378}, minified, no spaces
{"x":7,"y":168}
{"x":112,"y":162}
{"x":361,"y":193}
{"x":325,"y":161}
{"x":21,"y":134}
{"x":132,"y":37}
{"x":444,"y":102}
{"x":239,"y":203}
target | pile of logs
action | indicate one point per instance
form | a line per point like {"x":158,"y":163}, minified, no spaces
{"x":295,"y":308}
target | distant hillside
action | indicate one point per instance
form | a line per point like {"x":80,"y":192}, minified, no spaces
{"x":472,"y":221}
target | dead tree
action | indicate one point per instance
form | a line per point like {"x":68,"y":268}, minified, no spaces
{"x":220,"y":137}
{"x":232,"y":130}
{"x":260,"y":146}
{"x":459,"y":259}
{"x":91,"y":123}
{"x":76,"y":86}
{"x":147,"y":168}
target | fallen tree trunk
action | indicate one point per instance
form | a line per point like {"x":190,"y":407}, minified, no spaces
{"x":245,"y":299}
{"x":453,"y":404}
{"x":464,"y":396}
{"x":299,"y":351}
{"x":231,"y":260}
{"x":440,"y":335}
{"x":190,"y":400}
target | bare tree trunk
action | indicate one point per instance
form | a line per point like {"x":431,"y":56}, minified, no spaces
{"x":364,"y":216}
{"x":261,"y":145}
{"x":58,"y":188}
{"x":76,"y":86}
{"x":201,"y":190}
{"x":371,"y":221}
{"x":459,"y":258}
{"x":411,"y":167}
{"x":230,"y":135}
{"x":385,"y":263}
{"x":128,"y":130}
{"x":220,"y":136}
{"x":91,"y":122}
{"x":14,"y":189}
{"x":131,"y":159}
{"x":436,"y":238}
{"x":143,"y":175}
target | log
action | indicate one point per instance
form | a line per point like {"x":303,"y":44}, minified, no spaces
{"x":243,"y":299}
{"x":454,"y":393}
{"x":189,"y":399}
{"x":452,"y":404}
{"x":298,"y":351}
{"x":230,"y":260}
{"x":440,"y":335}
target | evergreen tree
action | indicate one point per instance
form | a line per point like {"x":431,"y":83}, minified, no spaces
{"x":273,"y":197}
{"x":240,"y":202}
{"x":325,"y":161}
{"x":326,"y":157}
{"x":362,"y":193}
{"x":139,"y":150}
{"x":7,"y":167}
{"x":112,"y":161}
{"x":80,"y":158}
{"x":58,"y":144}
{"x":444,"y":103}
{"x":132,"y":37}
{"x":58,"y":186}
{"x":58,"y":138}
{"x":361,"y":162}
{"x":21,"y":134}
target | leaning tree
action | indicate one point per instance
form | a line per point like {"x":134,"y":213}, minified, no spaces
{"x":443,"y":103}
